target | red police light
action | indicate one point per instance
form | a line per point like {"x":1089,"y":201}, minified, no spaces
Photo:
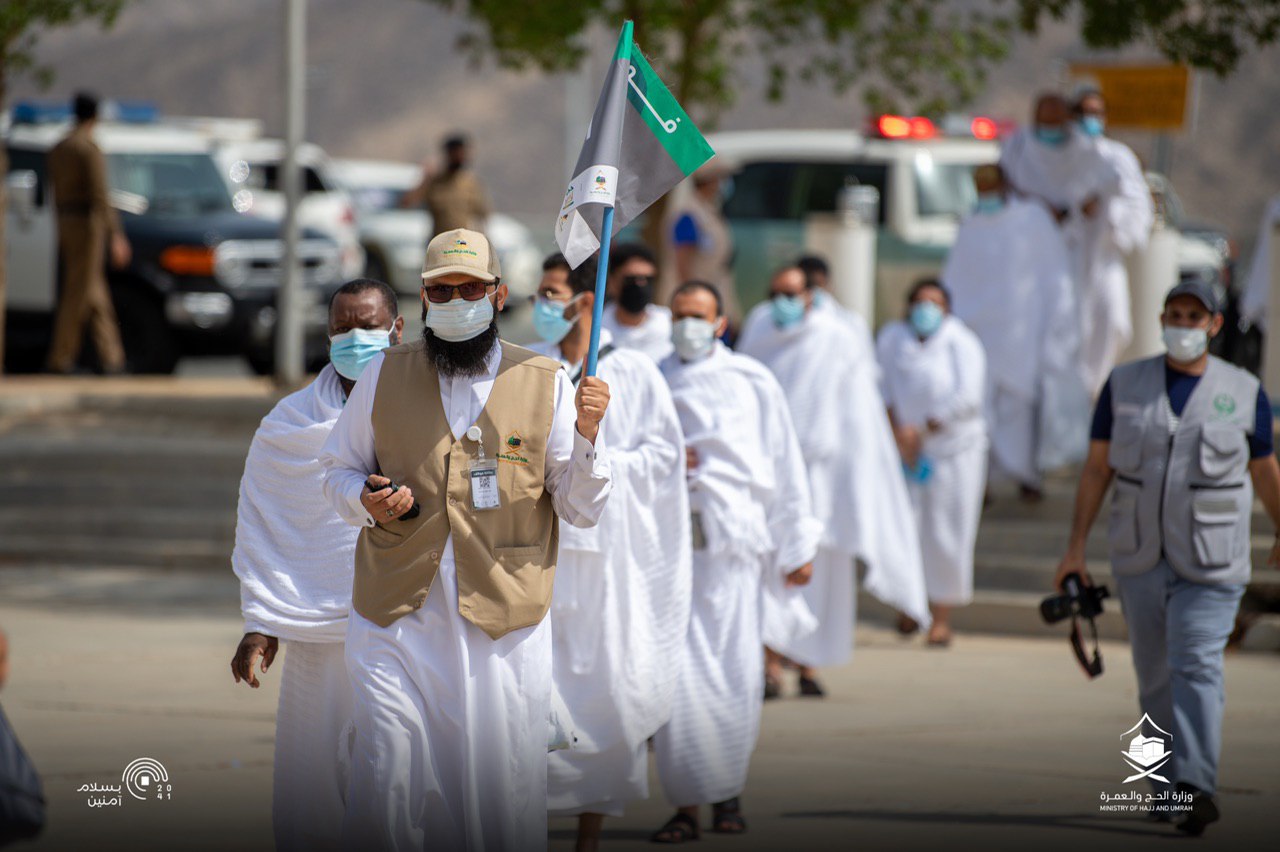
{"x":894,"y":127}
{"x":922,"y":128}
{"x":984,"y":128}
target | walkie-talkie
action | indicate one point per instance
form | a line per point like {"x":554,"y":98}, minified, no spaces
{"x":407,"y":516}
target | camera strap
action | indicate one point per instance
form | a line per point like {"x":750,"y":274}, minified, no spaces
{"x":1093,"y":667}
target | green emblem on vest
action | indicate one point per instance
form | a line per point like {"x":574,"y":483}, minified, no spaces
{"x":1225,"y":404}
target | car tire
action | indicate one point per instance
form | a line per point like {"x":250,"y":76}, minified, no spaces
{"x":149,"y":343}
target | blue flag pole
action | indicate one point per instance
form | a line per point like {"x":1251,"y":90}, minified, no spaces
{"x":602,"y":273}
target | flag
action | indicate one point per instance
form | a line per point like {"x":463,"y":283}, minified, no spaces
{"x":639,"y":145}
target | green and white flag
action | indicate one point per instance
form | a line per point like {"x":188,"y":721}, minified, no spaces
{"x":639,"y":145}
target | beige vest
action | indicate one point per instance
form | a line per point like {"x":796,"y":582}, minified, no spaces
{"x":506,"y":557}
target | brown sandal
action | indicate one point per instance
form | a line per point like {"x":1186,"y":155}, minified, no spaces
{"x":678,"y":829}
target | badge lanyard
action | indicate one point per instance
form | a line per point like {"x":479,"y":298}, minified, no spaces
{"x":484,"y":476}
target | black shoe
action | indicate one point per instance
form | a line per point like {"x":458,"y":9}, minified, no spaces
{"x":1204,"y":811}
{"x":810,"y":688}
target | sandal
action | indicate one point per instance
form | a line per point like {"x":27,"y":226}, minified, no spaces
{"x":726,"y":817}
{"x":678,"y":829}
{"x":907,"y":626}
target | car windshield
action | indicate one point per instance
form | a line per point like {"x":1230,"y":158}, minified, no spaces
{"x":793,"y":190}
{"x":169,"y":184}
{"x":943,"y":189}
{"x":372,"y":199}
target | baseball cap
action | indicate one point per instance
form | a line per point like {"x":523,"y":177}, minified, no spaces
{"x":1199,"y":290}
{"x":461,"y":251}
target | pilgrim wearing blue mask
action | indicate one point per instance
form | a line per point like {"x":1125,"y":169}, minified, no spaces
{"x":933,"y":372}
{"x":620,"y":608}
{"x":293,"y":556}
{"x":828,"y":374}
{"x":1010,"y":282}
{"x":1055,"y":163}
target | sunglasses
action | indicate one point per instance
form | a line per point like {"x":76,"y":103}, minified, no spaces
{"x":472,"y":291}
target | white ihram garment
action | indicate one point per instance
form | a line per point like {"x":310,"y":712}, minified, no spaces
{"x":751,"y":498}
{"x":1253,"y":305}
{"x":652,"y":337}
{"x":620,"y":610}
{"x":451,"y":725}
{"x":829,"y":376}
{"x":943,"y":379}
{"x":1010,"y":283}
{"x":293,"y":555}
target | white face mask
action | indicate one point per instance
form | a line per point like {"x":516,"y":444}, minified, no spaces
{"x":1185,"y":344}
{"x":459,"y":319}
{"x":693,"y":338}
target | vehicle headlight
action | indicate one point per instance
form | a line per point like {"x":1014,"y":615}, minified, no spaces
{"x":230,"y":266}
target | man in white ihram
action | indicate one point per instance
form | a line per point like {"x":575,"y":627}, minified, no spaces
{"x":1010,"y":282}
{"x":1054,"y":163}
{"x":751,"y":525}
{"x":458,"y":455}
{"x":620,"y":610}
{"x":855,"y":476}
{"x":293,"y":557}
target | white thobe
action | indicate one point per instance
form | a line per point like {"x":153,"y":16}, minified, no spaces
{"x":451,"y":725}
{"x":1065,"y":177}
{"x":829,"y":376}
{"x":750,"y":497}
{"x":942,"y":378}
{"x":1253,"y":305}
{"x":1010,"y":283}
{"x":652,"y":337}
{"x":293,"y":557}
{"x":620,"y":609}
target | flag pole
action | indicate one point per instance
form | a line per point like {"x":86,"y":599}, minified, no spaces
{"x":602,"y":273}
{"x":606,"y":237}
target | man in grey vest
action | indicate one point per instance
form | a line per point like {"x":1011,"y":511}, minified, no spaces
{"x":1188,"y":439}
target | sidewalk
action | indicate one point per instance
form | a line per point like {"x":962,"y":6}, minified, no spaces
{"x":998,"y":743}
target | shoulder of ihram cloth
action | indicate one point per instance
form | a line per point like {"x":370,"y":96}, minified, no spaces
{"x":518,"y":355}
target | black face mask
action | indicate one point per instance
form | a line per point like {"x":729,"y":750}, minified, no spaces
{"x":636,"y":293}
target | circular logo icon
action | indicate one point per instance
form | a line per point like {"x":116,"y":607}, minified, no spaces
{"x":146,"y":778}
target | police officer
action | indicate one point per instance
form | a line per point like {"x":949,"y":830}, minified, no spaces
{"x":87,"y":227}
{"x":454,"y":195}
{"x":1188,"y":439}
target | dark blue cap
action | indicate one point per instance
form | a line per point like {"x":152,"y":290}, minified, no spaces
{"x":1202,"y":291}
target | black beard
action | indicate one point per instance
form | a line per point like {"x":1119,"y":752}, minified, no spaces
{"x":461,"y":357}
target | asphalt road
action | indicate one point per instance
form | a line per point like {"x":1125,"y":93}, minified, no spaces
{"x":997,"y":743}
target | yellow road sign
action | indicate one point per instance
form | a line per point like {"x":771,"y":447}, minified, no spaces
{"x":1140,"y":97}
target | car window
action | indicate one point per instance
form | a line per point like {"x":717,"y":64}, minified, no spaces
{"x":24,"y":160}
{"x":782,"y":190}
{"x":266,"y":176}
{"x":943,"y":189}
{"x":169,"y":184}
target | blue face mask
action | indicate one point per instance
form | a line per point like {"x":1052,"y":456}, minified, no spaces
{"x":989,"y":202}
{"x":786,"y":310}
{"x":548,"y":319}
{"x":925,"y":318}
{"x":351,"y":351}
{"x":1054,"y":137}
{"x":1091,"y":125}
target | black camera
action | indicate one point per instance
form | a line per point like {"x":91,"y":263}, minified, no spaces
{"x":1077,"y":599}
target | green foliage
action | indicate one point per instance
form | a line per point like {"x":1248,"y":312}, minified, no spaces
{"x":1210,"y":34}
{"x":918,"y":55}
{"x":22,"y":22}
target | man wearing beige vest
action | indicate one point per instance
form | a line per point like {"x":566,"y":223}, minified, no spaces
{"x":458,"y":455}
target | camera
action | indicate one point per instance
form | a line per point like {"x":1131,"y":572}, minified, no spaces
{"x":1077,"y":600}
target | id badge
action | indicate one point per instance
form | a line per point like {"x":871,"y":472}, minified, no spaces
{"x":697,"y":533}
{"x":484,"y":485}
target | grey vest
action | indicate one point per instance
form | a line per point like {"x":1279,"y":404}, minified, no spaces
{"x":1182,"y":486}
